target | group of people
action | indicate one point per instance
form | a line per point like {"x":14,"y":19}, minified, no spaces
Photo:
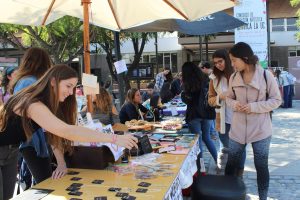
{"x":286,"y":82}
{"x":38,"y":114}
{"x":242,"y":95}
{"x":39,"y":120}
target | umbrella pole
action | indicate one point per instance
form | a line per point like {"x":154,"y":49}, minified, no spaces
{"x":206,"y":46}
{"x":86,"y":46}
{"x":200,"y":47}
{"x":156,"y":53}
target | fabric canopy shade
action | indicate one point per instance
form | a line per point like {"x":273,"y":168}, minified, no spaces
{"x":111,"y":14}
{"x":214,"y":23}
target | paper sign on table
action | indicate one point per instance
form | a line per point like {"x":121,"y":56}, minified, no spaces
{"x":120,"y":66}
{"x":89,"y":80}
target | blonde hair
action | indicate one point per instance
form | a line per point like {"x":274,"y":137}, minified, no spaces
{"x":103,"y":101}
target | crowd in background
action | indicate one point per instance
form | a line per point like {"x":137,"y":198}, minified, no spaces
{"x":233,"y":97}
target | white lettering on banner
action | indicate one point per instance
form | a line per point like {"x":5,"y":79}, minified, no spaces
{"x":208,"y":17}
{"x":254,"y":14}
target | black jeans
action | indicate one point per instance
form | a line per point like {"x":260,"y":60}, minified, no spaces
{"x":39,"y":167}
{"x":8,"y":170}
{"x":261,"y":156}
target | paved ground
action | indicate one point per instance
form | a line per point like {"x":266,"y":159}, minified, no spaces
{"x":284,"y":159}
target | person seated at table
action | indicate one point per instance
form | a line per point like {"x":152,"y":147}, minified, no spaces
{"x":149,"y":93}
{"x":49,"y":104}
{"x":132,"y":108}
{"x":103,"y":108}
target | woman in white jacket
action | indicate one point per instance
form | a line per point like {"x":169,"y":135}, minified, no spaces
{"x":218,"y":87}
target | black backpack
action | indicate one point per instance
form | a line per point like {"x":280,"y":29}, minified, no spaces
{"x":204,"y":109}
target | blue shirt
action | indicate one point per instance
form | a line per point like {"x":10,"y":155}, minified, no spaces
{"x":38,"y":140}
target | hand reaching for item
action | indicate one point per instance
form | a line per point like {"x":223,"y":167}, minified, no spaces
{"x":128,"y":141}
{"x":60,"y":171}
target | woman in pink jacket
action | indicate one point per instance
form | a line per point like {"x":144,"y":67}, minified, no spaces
{"x":252,"y":95}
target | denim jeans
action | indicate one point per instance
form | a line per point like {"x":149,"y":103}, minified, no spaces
{"x":224,"y":138}
{"x":8,"y":170}
{"x":202,"y":127}
{"x":261,"y":155}
{"x":286,"y":96}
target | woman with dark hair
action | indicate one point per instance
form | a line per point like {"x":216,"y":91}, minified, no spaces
{"x":133,"y":108}
{"x":35,"y":63}
{"x":49,"y":104}
{"x":252,"y":95}
{"x":218,"y":87}
{"x":6,"y":83}
{"x":198,"y":114}
{"x":166,"y":94}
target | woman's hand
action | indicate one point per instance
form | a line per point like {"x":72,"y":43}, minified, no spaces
{"x":238,"y":107}
{"x":60,"y":171}
{"x":128,"y":141}
{"x":246,"y":108}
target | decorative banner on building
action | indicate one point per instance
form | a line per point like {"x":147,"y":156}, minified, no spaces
{"x":254,"y":14}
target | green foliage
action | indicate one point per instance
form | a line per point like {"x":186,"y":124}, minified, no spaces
{"x":296,"y":3}
{"x":62,"y":38}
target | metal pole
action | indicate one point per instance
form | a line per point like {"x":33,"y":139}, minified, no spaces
{"x":206,"y":46}
{"x":200,"y":47}
{"x":156,"y":53}
{"x":120,"y":76}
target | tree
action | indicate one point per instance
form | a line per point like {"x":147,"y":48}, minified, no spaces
{"x":106,"y":40}
{"x":296,"y":3}
{"x":62,"y":38}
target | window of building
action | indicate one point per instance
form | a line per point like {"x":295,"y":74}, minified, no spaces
{"x":167,"y":60}
{"x":278,"y":24}
{"x":292,"y":53}
{"x":291,"y":24}
{"x":152,"y":58}
{"x":174,"y":62}
{"x":145,"y":58}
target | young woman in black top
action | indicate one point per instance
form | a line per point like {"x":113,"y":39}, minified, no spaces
{"x":133,"y":108}
{"x":50,"y":104}
{"x":198,"y":114}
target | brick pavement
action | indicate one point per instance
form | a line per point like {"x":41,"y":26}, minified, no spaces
{"x":284,"y":158}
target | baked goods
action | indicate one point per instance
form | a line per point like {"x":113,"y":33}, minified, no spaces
{"x":138,"y":125}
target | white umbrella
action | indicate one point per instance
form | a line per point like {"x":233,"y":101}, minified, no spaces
{"x":111,"y":14}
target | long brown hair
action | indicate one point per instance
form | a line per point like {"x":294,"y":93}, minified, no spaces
{"x":43,"y":91}
{"x":35,"y":62}
{"x":103,"y":101}
{"x":222,"y":53}
{"x":130,"y":95}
